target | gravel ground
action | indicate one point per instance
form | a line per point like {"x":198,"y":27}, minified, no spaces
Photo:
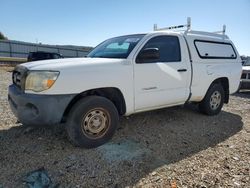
{"x":173,"y":147}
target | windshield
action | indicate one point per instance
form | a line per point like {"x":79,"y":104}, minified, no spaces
{"x":118,"y":47}
{"x":247,"y":62}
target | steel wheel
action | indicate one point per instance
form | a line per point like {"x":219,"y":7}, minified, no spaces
{"x":95,"y":123}
{"x":92,"y":121}
{"x":215,"y":100}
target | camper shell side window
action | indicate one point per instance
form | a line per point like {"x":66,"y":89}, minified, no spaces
{"x":214,"y":50}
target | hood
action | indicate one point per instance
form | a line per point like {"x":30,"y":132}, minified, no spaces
{"x":67,"y":63}
{"x":247,"y":68}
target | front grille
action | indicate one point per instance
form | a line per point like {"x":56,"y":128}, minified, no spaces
{"x":243,"y":76}
{"x":18,"y":76}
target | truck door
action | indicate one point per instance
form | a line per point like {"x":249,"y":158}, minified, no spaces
{"x":161,"y":73}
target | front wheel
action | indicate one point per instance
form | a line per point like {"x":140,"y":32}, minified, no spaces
{"x":213,"y":100}
{"x":92,"y":122}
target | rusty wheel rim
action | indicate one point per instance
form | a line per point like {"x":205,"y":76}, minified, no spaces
{"x":95,"y":123}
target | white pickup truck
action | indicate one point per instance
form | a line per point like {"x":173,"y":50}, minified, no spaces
{"x":126,"y":75}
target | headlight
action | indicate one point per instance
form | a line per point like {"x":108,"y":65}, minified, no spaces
{"x":40,"y":80}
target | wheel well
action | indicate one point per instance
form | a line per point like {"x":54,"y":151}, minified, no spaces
{"x":113,"y":94}
{"x":225,"y":84}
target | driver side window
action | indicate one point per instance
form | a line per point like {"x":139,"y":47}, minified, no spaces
{"x":168,"y":48}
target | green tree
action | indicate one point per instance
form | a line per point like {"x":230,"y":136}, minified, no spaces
{"x":2,"y":37}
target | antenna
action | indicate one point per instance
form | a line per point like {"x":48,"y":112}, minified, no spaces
{"x":188,"y":25}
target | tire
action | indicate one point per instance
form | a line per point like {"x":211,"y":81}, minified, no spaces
{"x":213,"y":100}
{"x":239,"y":88}
{"x":92,"y":122}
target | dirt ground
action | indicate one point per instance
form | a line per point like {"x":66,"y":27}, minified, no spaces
{"x":164,"y":148}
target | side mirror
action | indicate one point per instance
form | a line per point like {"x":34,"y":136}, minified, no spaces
{"x":148,"y":55}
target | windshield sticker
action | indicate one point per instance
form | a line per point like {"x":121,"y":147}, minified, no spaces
{"x":132,"y":40}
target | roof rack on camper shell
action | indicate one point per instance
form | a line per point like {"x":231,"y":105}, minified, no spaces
{"x":188,"y":25}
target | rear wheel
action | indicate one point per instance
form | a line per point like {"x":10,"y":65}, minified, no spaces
{"x":92,"y":122}
{"x":213,"y":100}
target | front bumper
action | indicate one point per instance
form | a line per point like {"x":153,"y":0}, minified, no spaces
{"x":245,"y":79}
{"x":245,"y":84}
{"x":37,"y":110}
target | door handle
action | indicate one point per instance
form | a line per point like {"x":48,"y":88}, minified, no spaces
{"x":182,"y":70}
